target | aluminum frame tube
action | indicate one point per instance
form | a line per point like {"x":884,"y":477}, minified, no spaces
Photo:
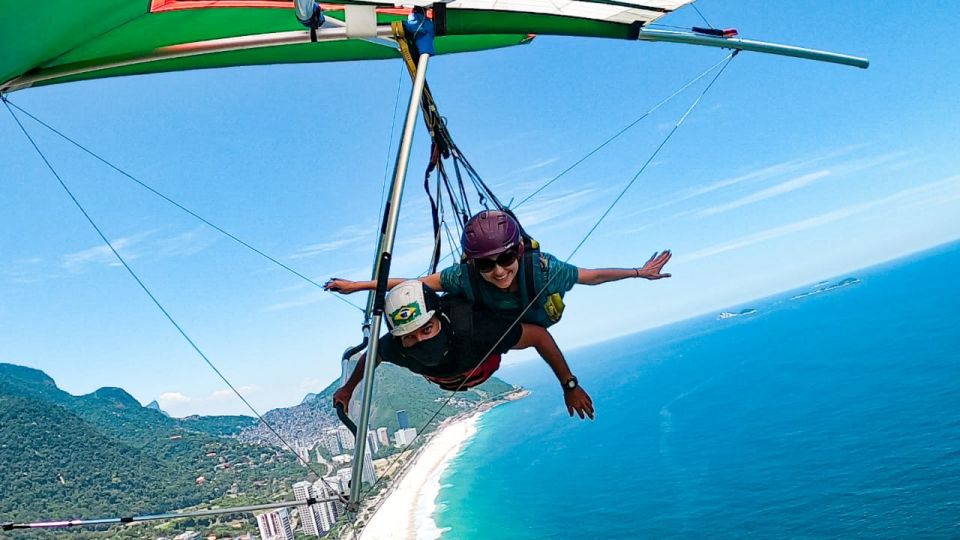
{"x":385,"y":247}
{"x":239,"y":43}
{"x":687,"y":38}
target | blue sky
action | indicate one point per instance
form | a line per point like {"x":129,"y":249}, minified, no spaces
{"x":789,"y":172}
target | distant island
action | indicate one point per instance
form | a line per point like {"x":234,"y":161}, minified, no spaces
{"x":741,"y":313}
{"x":826,"y":286}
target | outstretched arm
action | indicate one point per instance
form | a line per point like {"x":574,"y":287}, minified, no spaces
{"x":536,"y":336}
{"x":345,"y":286}
{"x":650,"y":270}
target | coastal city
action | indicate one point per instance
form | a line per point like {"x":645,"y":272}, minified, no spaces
{"x":320,"y":518}
{"x":392,"y":465}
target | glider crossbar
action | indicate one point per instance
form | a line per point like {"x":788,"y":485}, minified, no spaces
{"x":164,"y":516}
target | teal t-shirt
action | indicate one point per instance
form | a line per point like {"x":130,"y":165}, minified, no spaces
{"x":560,"y":276}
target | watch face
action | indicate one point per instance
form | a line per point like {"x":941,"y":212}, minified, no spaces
{"x":571,"y":384}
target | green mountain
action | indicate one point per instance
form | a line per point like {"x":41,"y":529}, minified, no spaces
{"x":221,"y":426}
{"x":102,"y":454}
{"x":394,"y":389}
{"x":53,"y":463}
{"x":113,"y":411}
{"x":397,"y":389}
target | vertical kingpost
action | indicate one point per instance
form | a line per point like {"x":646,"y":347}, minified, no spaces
{"x":381,"y":271}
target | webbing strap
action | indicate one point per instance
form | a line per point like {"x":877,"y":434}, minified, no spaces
{"x":430,"y":116}
{"x":432,"y":119}
{"x":442,"y":147}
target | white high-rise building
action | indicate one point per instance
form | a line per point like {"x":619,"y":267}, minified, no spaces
{"x":329,"y":512}
{"x":309,"y":514}
{"x":275,"y":525}
{"x":344,"y":475}
{"x":304,"y":454}
{"x":337,"y":483}
{"x":404,"y":437}
{"x":330,"y":439}
{"x":383,"y":436}
{"x":346,"y":438}
{"x":373,"y":444}
{"x":369,"y":475}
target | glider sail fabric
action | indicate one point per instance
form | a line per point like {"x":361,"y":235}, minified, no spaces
{"x":58,"y":41}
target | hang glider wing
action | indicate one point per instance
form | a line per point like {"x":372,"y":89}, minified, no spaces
{"x":58,"y":41}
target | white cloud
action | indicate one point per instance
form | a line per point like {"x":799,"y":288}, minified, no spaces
{"x":186,"y":244}
{"x":923,"y":191}
{"x":511,"y":176}
{"x":77,"y":261}
{"x":138,"y":246}
{"x":791,"y":166}
{"x":326,"y":247}
{"x":226,"y":393}
{"x":24,"y":271}
{"x":768,"y":193}
{"x":172,"y":398}
{"x":174,"y":402}
{"x":548,"y":209}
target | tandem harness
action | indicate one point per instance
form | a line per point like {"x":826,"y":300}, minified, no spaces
{"x":535,"y":272}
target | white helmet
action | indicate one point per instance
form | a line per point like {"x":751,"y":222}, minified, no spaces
{"x":409,"y":306}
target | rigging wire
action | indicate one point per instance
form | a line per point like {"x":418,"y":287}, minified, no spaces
{"x":589,"y":233}
{"x":386,"y":161}
{"x":626,"y":128}
{"x":654,"y":155}
{"x":153,"y":298}
{"x":175,"y":203}
{"x":695,"y":8}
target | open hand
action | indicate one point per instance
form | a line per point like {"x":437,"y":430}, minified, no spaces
{"x":651,"y":269}
{"x":342,"y":286}
{"x":578,"y":400}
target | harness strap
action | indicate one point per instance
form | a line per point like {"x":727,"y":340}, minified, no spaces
{"x":434,"y":207}
{"x":466,"y":381}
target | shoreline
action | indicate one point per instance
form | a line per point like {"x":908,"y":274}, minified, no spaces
{"x":408,"y":507}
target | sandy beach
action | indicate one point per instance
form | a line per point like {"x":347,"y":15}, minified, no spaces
{"x":407,"y":512}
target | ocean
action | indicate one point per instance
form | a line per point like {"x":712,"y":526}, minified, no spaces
{"x":831,"y":415}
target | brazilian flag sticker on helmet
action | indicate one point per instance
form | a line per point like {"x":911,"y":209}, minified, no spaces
{"x":409,"y":306}
{"x":405,"y":314}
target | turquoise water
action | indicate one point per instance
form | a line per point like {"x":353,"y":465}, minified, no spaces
{"x":835,"y":415}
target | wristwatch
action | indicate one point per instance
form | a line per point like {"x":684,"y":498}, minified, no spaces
{"x":570,"y":383}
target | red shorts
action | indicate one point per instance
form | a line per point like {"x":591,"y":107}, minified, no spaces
{"x":466,"y":381}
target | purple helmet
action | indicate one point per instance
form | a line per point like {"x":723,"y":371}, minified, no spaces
{"x":488,"y":233}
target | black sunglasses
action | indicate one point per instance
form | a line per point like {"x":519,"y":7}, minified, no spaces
{"x":502,"y":260}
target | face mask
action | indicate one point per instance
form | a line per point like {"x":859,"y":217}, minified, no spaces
{"x":431,"y":352}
